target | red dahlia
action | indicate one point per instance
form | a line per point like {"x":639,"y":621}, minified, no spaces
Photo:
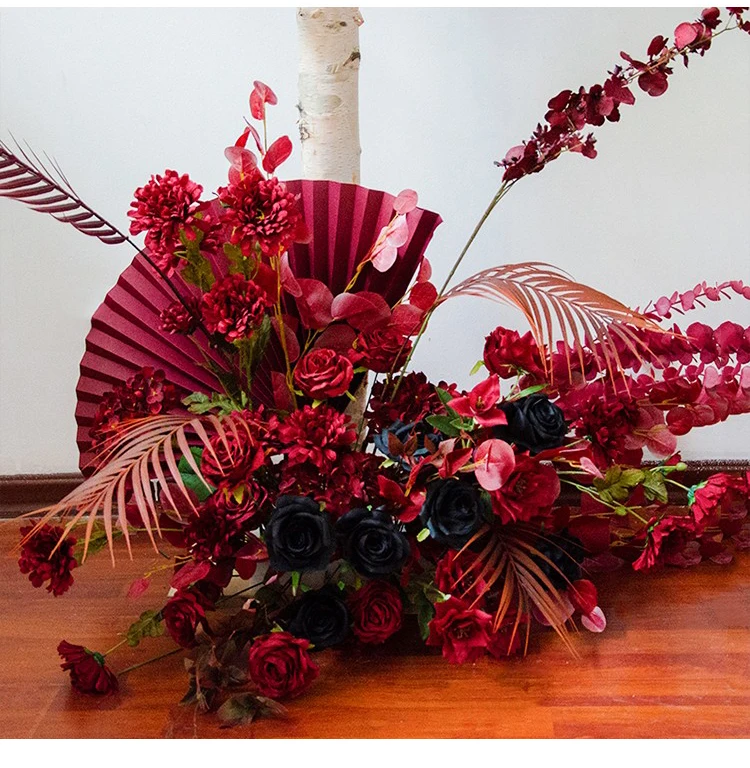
{"x":263,"y":212}
{"x":42,"y":565}
{"x":88,"y":670}
{"x":234,"y":307}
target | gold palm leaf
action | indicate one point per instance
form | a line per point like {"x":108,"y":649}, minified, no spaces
{"x":139,"y":452}
{"x":557,"y":307}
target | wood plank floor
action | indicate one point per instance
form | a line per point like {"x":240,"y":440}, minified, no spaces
{"x":673,"y":662}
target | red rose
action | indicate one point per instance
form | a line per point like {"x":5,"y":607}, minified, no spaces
{"x":530,"y":491}
{"x":323,"y":373}
{"x":382,"y":350}
{"x":280,"y":665}
{"x":505,"y":352}
{"x":234,"y":455}
{"x":88,"y":671}
{"x":452,"y":578}
{"x":463,"y":632}
{"x":377,"y":611}
{"x":38,"y":561}
{"x":182,"y":615}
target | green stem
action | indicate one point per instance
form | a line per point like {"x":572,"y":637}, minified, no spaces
{"x":115,"y":647}
{"x":679,"y":485}
{"x":149,"y":661}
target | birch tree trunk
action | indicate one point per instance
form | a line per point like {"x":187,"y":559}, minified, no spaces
{"x":328,"y":92}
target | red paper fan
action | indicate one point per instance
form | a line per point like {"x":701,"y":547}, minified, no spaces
{"x":126,"y":334}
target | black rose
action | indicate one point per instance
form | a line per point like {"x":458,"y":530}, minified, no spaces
{"x":562,"y":555}
{"x":452,"y":512}
{"x":372,"y":543}
{"x":299,"y":535}
{"x":534,"y":424}
{"x":321,"y":617}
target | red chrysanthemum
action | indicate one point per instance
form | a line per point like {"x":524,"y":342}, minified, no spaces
{"x":213,"y":535}
{"x":144,"y":394}
{"x":708,"y":499}
{"x":161,"y":208}
{"x":42,"y":565}
{"x":88,"y":670}
{"x":315,"y":435}
{"x":529,"y":493}
{"x":261,"y":212}
{"x":461,"y":631}
{"x":234,"y":307}
{"x":177,"y":318}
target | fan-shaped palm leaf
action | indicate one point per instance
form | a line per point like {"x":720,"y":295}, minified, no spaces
{"x":556,"y":306}
{"x":29,"y":181}
{"x":134,"y":457}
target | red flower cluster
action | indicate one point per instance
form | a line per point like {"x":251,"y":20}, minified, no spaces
{"x":263,"y":213}
{"x":571,"y":111}
{"x":529,"y":493}
{"x":234,"y":307}
{"x":507,"y":353}
{"x":144,"y":394}
{"x":177,"y":318}
{"x":163,"y":208}
{"x":88,"y":670}
{"x":281,"y":666}
{"x":377,"y":612}
{"x":323,"y":373}
{"x":212,"y":534}
{"x":415,"y":399}
{"x":37,"y":558}
{"x":666,"y":540}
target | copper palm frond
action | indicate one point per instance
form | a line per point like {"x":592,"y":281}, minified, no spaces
{"x":556,"y":306}
{"x":507,"y":561}
{"x":27,"y":179}
{"x":143,"y":450}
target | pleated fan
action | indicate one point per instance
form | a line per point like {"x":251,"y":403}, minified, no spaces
{"x":126,"y":333}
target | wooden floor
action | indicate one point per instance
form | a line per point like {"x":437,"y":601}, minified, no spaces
{"x":673,"y":662}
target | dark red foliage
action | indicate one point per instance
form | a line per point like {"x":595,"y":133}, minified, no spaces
{"x":39,"y":562}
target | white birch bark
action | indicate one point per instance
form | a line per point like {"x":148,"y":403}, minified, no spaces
{"x":328,"y":93}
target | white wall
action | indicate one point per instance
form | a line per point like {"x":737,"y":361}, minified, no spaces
{"x":118,"y":95}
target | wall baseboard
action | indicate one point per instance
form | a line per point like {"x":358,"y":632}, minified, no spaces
{"x":25,"y":493}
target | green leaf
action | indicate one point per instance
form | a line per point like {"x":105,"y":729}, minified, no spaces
{"x":444,"y":395}
{"x":197,"y":402}
{"x":148,"y":625}
{"x":443,"y":424}
{"x":295,"y":582}
{"x":97,"y":543}
{"x":198,"y":273}
{"x":191,"y":480}
{"x":238,"y":263}
{"x":618,"y":483}
{"x":477,"y":367}
{"x":526,"y":392}
{"x":423,"y":534}
{"x":425,"y":614}
{"x":654,"y":487}
{"x":252,"y":350}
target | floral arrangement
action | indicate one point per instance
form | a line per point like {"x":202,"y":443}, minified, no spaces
{"x":321,"y":492}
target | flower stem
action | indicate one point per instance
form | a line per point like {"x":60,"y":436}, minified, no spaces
{"x":149,"y":661}
{"x":115,"y":647}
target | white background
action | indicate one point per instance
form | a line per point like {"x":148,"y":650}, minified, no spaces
{"x":116,"y":95}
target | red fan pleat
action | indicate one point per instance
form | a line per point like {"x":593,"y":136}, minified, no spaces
{"x":126,"y":333}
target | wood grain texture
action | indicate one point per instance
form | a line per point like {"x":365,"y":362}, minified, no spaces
{"x":673,"y":662}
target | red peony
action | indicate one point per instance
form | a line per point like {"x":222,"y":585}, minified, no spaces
{"x":88,"y":671}
{"x":183,"y":613}
{"x":263,"y":212}
{"x":377,"y":611}
{"x":415,"y":399}
{"x":144,"y":394}
{"x":38,"y":561}
{"x":177,"y":318}
{"x":315,"y":435}
{"x":234,"y":456}
{"x":234,"y":307}
{"x":280,"y":665}
{"x":382,"y":350}
{"x":212,"y":535}
{"x":461,"y":631}
{"x":506,"y":351}
{"x":323,"y":373}
{"x":162,"y":208}
{"x":665,"y":539}
{"x":530,"y":491}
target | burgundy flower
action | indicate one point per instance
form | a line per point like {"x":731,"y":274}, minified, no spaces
{"x":246,"y":501}
{"x":280,"y":665}
{"x":183,"y":613}
{"x":665,"y":538}
{"x":144,"y":394}
{"x":162,"y":208}
{"x":263,"y":212}
{"x":234,"y":307}
{"x":88,"y":670}
{"x":176,"y":318}
{"x":453,"y":577}
{"x":323,"y":373}
{"x":506,"y":351}
{"x":235,"y":458}
{"x":377,"y":611}
{"x":530,"y":492}
{"x":461,"y":631}
{"x":415,"y":398}
{"x":38,"y":561}
{"x":315,"y":435}
{"x":212,"y":535}
{"x":708,"y":499}
{"x":382,"y":350}
{"x":481,"y":403}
